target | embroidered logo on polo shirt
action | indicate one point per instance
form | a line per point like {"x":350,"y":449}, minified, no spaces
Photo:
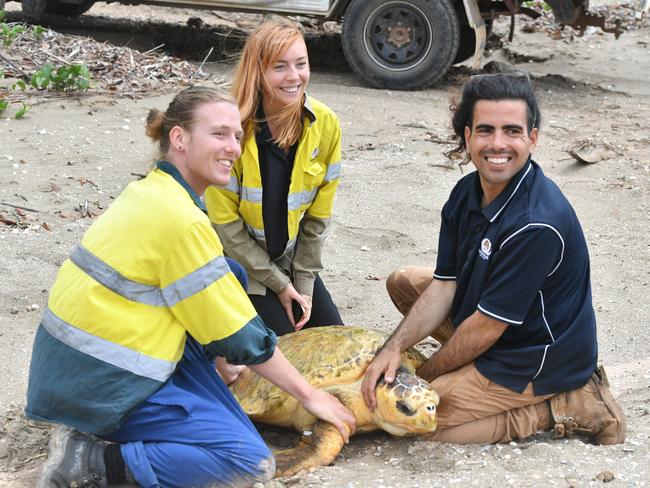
{"x":315,"y":153}
{"x":486,"y":248}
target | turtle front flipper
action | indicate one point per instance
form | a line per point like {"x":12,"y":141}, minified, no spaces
{"x":318,"y":449}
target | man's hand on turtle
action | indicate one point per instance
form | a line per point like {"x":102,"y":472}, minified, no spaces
{"x":386,"y":363}
{"x":328,"y":408}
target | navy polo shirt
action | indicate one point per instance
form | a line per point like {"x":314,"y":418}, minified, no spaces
{"x":522,"y":260}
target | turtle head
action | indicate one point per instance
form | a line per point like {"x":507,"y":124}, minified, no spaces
{"x":408,"y":405}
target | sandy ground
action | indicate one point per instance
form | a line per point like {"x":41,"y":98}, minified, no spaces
{"x":71,"y":156}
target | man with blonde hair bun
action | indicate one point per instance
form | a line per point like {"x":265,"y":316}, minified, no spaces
{"x":123,"y":356}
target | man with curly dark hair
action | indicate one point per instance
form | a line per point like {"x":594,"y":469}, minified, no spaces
{"x":510,"y":297}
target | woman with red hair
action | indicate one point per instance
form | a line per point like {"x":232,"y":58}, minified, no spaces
{"x":274,"y":214}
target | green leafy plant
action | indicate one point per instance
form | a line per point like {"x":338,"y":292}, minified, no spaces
{"x":20,"y":113}
{"x":18,"y":85}
{"x":9,"y":32}
{"x":73,"y":77}
{"x":2,"y":15}
{"x":38,"y":30}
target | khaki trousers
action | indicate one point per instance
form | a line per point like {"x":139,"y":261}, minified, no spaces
{"x":473,"y":409}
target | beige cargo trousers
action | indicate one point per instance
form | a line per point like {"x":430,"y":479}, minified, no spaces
{"x":473,"y":409}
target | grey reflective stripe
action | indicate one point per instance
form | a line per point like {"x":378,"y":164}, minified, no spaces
{"x":256,"y":233}
{"x":114,"y":280}
{"x":233,"y":185}
{"x":181,"y":289}
{"x":333,"y":172}
{"x":250,"y":194}
{"x":295,"y":200}
{"x":107,"y":351}
{"x":196,"y":281}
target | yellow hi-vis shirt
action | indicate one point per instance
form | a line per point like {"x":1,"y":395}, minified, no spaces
{"x":314,"y":179}
{"x":149,"y":271}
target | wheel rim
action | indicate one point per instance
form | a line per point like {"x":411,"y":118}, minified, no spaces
{"x":397,"y":36}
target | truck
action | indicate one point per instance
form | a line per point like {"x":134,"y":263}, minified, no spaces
{"x":394,"y":44}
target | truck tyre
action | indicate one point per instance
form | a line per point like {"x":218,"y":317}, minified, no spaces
{"x":34,"y":9}
{"x":68,"y":9}
{"x":400,"y":44}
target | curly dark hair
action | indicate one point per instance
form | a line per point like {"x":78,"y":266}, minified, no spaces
{"x":500,"y":86}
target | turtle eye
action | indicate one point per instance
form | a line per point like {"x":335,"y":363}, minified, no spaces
{"x":404,"y":408}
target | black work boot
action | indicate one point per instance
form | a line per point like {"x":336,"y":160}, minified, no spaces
{"x":590,"y":410}
{"x":74,"y":460}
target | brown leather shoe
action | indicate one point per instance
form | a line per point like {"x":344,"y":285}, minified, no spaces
{"x":591,"y":410}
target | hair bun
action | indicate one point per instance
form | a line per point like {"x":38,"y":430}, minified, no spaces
{"x":155,"y":121}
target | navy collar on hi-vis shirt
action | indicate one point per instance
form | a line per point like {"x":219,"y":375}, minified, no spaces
{"x":172,"y":171}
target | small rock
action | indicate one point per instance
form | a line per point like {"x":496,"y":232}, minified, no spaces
{"x":606,"y":476}
{"x":14,"y":310}
{"x":273,"y":484}
{"x":364,"y":248}
{"x":293,"y":480}
{"x":312,"y":478}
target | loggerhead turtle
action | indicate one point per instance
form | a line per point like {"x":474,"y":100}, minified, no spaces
{"x":334,"y":359}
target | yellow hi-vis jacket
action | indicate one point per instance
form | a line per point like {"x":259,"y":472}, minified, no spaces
{"x":236,"y":209}
{"x":149,"y":271}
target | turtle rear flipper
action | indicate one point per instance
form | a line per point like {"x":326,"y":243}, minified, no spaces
{"x":318,"y":449}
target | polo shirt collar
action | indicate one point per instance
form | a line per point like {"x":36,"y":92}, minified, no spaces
{"x":171,"y":170}
{"x":495,"y":208}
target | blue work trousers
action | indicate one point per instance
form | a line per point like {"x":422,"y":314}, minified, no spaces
{"x":193,"y":433}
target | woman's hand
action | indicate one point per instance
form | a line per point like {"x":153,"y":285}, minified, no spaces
{"x":306,"y":313}
{"x":228,"y":372}
{"x":286,"y":297}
